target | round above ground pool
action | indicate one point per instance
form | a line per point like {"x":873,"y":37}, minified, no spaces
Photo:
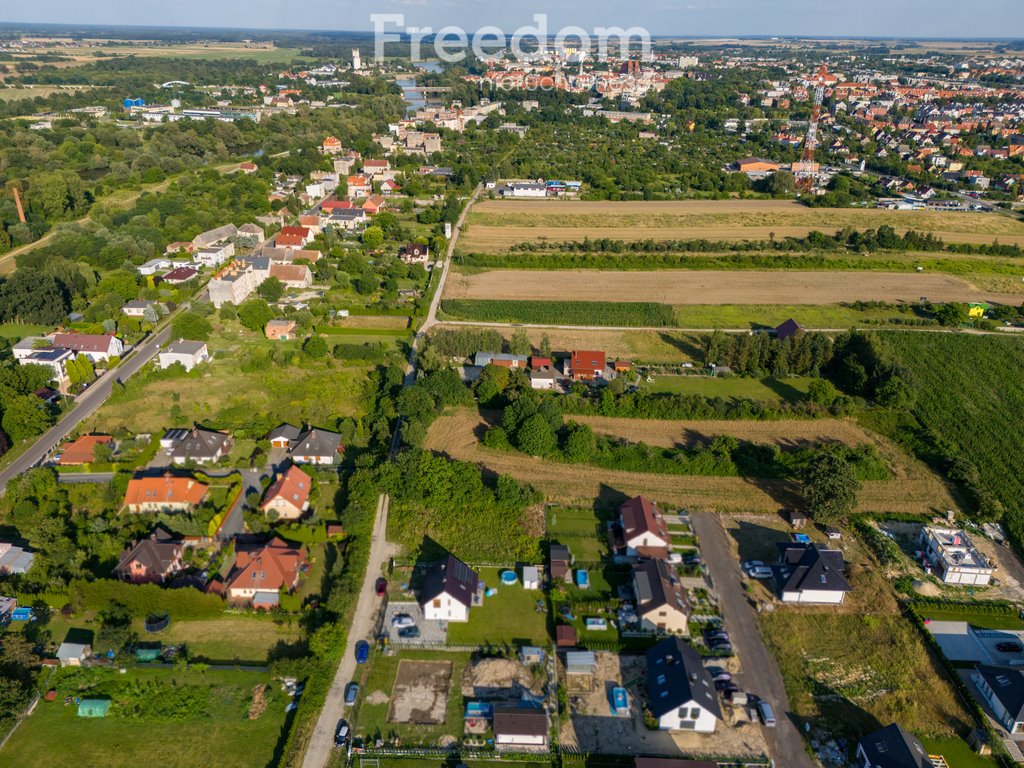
{"x":508,"y":577}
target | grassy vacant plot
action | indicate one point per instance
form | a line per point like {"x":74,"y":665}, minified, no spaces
{"x":228,"y":639}
{"x":715,"y":287}
{"x":379,"y":690}
{"x":913,"y":488}
{"x":975,"y":618}
{"x":497,"y":225}
{"x":768,"y":390}
{"x":509,"y":617}
{"x":850,"y":673}
{"x":582,"y":529}
{"x":159,"y":716}
{"x":18,"y":331}
{"x":33,"y":91}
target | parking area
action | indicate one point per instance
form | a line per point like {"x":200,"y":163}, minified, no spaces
{"x":431,"y":632}
{"x":960,"y":641}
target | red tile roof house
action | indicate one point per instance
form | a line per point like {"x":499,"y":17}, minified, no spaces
{"x":337,"y":205}
{"x":163,"y":494}
{"x":81,"y":451}
{"x":372,"y":167}
{"x":358,"y":186}
{"x":294,"y":237}
{"x":97,"y":347}
{"x":585,"y":365}
{"x":643,"y":528}
{"x":374,"y":204}
{"x":179,"y":275}
{"x":261,"y":572}
{"x":288,"y":496}
{"x":292,"y":275}
{"x":152,"y":560}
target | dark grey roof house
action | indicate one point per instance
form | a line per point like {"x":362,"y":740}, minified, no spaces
{"x":892,"y":747}
{"x":1003,"y":689}
{"x":809,"y":573}
{"x":680,"y":691}
{"x":316,"y":446}
{"x":449,"y":586}
{"x":203,"y":446}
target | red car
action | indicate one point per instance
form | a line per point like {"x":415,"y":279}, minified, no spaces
{"x":381,"y":587}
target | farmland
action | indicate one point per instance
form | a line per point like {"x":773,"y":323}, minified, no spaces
{"x":495,"y":226}
{"x":913,"y":489}
{"x":970,"y":397}
{"x":710,"y":287}
{"x":638,"y":314}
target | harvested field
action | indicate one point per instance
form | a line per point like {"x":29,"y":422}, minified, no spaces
{"x":913,"y":488}
{"x":420,"y":693}
{"x":716,"y":287}
{"x":497,"y":225}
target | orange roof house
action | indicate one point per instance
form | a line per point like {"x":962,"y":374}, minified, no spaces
{"x":374,"y":204}
{"x":331,"y":145}
{"x":288,"y":496}
{"x":293,"y":237}
{"x":82,"y":450}
{"x":586,"y":365}
{"x":261,"y":572}
{"x":167,"y":493}
{"x":643,"y":528}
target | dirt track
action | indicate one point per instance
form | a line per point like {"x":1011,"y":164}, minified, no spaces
{"x":717,"y":287}
{"x":914,"y":489}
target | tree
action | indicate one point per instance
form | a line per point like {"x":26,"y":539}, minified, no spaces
{"x":189,"y":325}
{"x":519,"y":344}
{"x":80,"y":370}
{"x":25,"y":416}
{"x":115,"y":627}
{"x":545,"y":346}
{"x":315,"y":347}
{"x":952,"y":315}
{"x":373,"y":237}
{"x":580,"y":444}
{"x":830,"y":486}
{"x":271,"y":289}
{"x":822,"y":392}
{"x":536,"y":437}
{"x":254,"y":314}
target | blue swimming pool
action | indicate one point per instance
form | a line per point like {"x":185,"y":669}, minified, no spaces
{"x":508,"y":577}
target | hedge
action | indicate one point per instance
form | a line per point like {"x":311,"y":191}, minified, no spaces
{"x":144,"y":599}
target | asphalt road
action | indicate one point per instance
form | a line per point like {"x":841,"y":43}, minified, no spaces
{"x":321,"y":744}
{"x":760,"y":675}
{"x":85,"y":405}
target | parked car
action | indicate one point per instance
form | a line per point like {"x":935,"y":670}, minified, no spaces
{"x":362,"y":652}
{"x":692,"y":560}
{"x":381,"y":587}
{"x":718,"y":674}
{"x":675,"y":558}
{"x":1009,"y":647}
{"x":341,"y":734}
{"x":761,"y":572}
{"x":351,"y":693}
{"x":409,"y":632}
{"x":750,"y":564}
{"x":726,"y":685}
{"x":400,"y":620}
{"x":764,"y":709}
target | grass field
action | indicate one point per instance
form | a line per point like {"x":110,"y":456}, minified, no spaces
{"x":495,"y":226}
{"x":681,"y":287}
{"x":509,"y":617}
{"x":19,"y":331}
{"x":582,"y":529}
{"x":913,"y":488}
{"x":975,"y":618}
{"x":228,"y":639}
{"x":740,"y":387}
{"x":31,"y":92}
{"x":54,"y":735}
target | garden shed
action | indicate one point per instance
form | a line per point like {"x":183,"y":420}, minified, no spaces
{"x":93,"y":707}
{"x":580,"y":663}
{"x":531,"y":577}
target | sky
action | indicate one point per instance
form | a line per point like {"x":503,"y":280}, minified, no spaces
{"x":850,"y":18}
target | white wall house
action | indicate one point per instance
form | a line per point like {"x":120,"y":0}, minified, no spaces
{"x":187,"y":353}
{"x":448,"y":591}
{"x":681,"y":694}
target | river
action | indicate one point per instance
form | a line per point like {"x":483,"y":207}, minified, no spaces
{"x":413,"y":99}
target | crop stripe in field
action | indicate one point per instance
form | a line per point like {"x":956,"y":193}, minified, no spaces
{"x":636,"y":314}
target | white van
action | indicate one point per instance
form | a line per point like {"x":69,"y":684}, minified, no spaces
{"x":767,"y":715}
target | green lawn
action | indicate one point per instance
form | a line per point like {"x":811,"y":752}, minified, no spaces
{"x":19,"y":331}
{"x":372,"y":719}
{"x":979,"y":618}
{"x":508,"y":617}
{"x":582,"y":530}
{"x":768,"y":390}
{"x":228,"y":639}
{"x":958,"y":753}
{"x":209,"y":723}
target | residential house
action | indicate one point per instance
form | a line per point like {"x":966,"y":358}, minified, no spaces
{"x":661,"y":601}
{"x":329,"y":206}
{"x":501,"y":359}
{"x":290,"y":255}
{"x":166,"y":493}
{"x":448,"y":590}
{"x":810,"y":573}
{"x":284,"y":436}
{"x":1003,"y":690}
{"x":756,"y":167}
{"x":316,"y":446}
{"x":788,"y":330}
{"x":891,"y":747}
{"x":524,"y":189}
{"x":138,"y":307}
{"x":416,"y":253}
{"x":214,"y":255}
{"x":15,"y":558}
{"x":206,"y":239}
{"x":643,"y":528}
{"x":73,"y":654}
{"x":152,"y":266}
{"x":253,"y":231}
{"x":375,"y":168}
{"x":248,"y":168}
{"x":544,"y":378}
{"x":262,"y":571}
{"x":521,"y":727}
{"x":358,"y":186}
{"x":950,"y":554}
{"x":179,"y":247}
{"x":331,"y":146}
{"x":183,"y":352}
{"x":53,"y":358}
{"x":346,"y":219}
{"x":202,"y":446}
{"x":236,"y":281}
{"x":293,"y":237}
{"x":292,"y":275}
{"x":560,"y":563}
{"x":681,"y":694}
{"x":374,"y":204}
{"x":389,"y":187}
{"x":280,"y":330}
{"x":82,"y":450}
{"x":288,"y":495}
{"x":180,"y":275}
{"x":152,"y":560}
{"x":584,"y":365}
{"x":97,"y":347}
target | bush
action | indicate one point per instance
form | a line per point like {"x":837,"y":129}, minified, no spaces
{"x":143,"y":599}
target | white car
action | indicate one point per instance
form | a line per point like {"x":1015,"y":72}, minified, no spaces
{"x":402,"y":620}
{"x":760,"y":572}
{"x":751,"y":564}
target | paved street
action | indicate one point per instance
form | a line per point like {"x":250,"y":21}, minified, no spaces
{"x":760,"y":674}
{"x":85,"y":406}
{"x":321,"y":744}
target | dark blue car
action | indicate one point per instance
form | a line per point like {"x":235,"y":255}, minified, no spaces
{"x":362,"y":652}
